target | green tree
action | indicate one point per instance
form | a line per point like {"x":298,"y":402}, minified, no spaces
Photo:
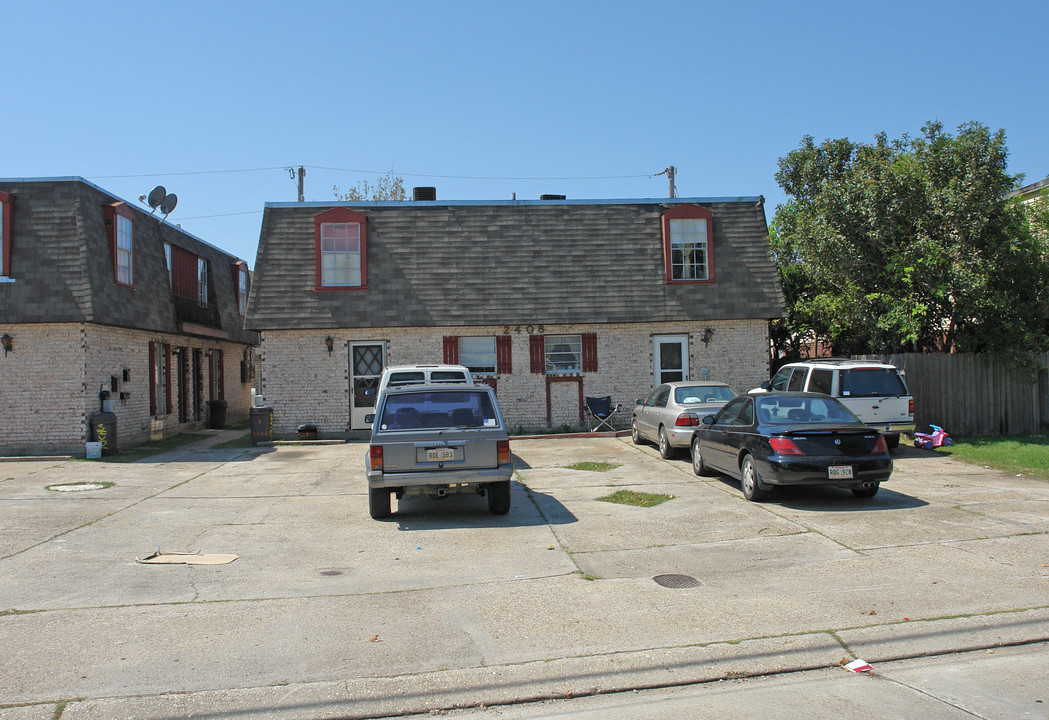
{"x":908,"y":245}
{"x":387,"y":187}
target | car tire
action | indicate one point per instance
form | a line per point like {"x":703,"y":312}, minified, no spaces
{"x":893,"y":441}
{"x":866,"y":492}
{"x":698,"y":466}
{"x":750,"y":482}
{"x":498,"y":497}
{"x":379,"y":503}
{"x":666,"y":450}
{"x":635,"y":434}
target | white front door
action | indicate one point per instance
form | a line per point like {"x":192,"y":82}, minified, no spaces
{"x":367,"y":359}
{"x":670,"y":353}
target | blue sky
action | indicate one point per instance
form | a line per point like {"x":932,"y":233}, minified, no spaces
{"x":486,"y":99}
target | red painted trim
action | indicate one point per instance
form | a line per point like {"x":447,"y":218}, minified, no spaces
{"x":212,"y":378}
{"x":550,"y":379}
{"x":451,"y":350}
{"x":537,"y":353}
{"x":7,"y":201}
{"x":167,"y":378}
{"x":340,"y":215}
{"x":693,"y":212}
{"x":222,"y":376}
{"x":504,"y":355}
{"x":152,"y":378}
{"x":490,"y":382}
{"x":110,"y":213}
{"x":589,"y":352}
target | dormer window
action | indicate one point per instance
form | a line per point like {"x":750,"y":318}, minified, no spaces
{"x":340,"y":238}
{"x":687,"y":231}
{"x":120,"y":228}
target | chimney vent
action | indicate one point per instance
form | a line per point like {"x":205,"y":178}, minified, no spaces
{"x":424,"y":193}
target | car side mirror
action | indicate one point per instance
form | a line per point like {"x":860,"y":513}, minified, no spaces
{"x":708,"y":419}
{"x":639,"y":401}
{"x":369,"y":418}
{"x":765,"y":385}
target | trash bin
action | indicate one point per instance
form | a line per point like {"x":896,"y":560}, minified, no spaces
{"x":307,"y":432}
{"x":104,"y":430}
{"x":261,"y":424}
{"x":218,"y":414}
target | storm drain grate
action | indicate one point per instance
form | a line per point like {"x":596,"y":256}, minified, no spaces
{"x":679,"y":582}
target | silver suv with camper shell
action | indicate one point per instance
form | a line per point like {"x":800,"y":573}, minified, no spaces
{"x":438,"y":439}
{"x":874,"y":391}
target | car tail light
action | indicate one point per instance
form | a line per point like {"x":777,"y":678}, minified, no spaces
{"x":375,"y":457}
{"x":784,"y":446}
{"x":502,"y":450}
{"x":687,"y":420}
{"x":880,"y":447}
{"x":910,"y":407}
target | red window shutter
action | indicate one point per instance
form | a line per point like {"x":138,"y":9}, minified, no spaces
{"x":212,"y":378}
{"x":152,"y":378}
{"x":503,"y":364}
{"x":222,"y":377}
{"x":167,"y":379}
{"x":589,"y":352}
{"x":537,"y":350}
{"x":451,"y":350}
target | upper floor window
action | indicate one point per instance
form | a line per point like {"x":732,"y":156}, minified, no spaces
{"x":5,"y":234}
{"x":120,"y":227}
{"x":167,"y":259}
{"x":340,"y":236}
{"x":687,"y":231}
{"x":202,"y":282}
{"x":478,"y":354}
{"x":242,"y":290}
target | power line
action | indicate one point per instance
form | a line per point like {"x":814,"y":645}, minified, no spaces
{"x":378,"y":172}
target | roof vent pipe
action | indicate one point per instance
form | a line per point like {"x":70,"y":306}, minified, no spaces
{"x":424,"y":193}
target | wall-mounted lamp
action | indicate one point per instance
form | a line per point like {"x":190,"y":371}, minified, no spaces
{"x":329,"y":343}
{"x":8,"y":342}
{"x":708,"y":335}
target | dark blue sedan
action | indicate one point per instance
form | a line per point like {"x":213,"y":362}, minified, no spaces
{"x":791,"y":438}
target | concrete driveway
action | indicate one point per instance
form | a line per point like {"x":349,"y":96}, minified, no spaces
{"x":327,"y":613}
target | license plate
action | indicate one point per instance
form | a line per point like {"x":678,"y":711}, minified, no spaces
{"x":838,"y":472}
{"x":444,"y":454}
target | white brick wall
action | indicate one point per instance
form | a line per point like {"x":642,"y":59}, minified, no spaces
{"x":303,"y":384}
{"x":49,"y":385}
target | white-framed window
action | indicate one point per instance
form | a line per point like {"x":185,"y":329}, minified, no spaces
{"x":202,"y":282}
{"x":688,"y":249}
{"x":478,"y":354}
{"x":242,"y":291}
{"x":564,"y":354}
{"x":167,"y":259}
{"x":125,"y":251}
{"x":340,"y":254}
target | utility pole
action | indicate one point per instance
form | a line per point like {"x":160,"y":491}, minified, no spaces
{"x":302,"y":177}
{"x":671,"y":172}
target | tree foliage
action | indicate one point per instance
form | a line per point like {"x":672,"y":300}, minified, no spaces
{"x":387,"y":187}
{"x":907,"y":245}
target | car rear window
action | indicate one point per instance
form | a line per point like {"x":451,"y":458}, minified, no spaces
{"x":406,"y":378}
{"x":452,"y":376}
{"x":871,"y":382}
{"x":803,"y":411}
{"x":703,"y":394}
{"x":434,"y":410}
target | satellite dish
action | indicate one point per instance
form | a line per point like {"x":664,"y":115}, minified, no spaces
{"x":168,"y":203}
{"x":156,"y":196}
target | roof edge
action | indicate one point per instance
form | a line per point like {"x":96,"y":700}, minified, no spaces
{"x":515,"y":203}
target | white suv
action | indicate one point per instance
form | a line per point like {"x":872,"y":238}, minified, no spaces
{"x":874,"y":391}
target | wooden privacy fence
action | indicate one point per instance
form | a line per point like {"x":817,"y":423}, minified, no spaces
{"x":976,"y":394}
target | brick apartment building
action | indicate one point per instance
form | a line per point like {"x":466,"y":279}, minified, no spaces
{"x":549,"y":301}
{"x":98,"y":296}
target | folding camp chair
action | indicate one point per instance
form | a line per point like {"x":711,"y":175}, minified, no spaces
{"x":600,"y":412}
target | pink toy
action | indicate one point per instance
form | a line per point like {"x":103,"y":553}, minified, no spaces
{"x":935,"y":439}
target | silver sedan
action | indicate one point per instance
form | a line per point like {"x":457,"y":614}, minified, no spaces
{"x":674,"y":410}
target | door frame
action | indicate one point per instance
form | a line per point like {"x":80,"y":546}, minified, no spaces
{"x":357,"y":413}
{"x":660,"y":340}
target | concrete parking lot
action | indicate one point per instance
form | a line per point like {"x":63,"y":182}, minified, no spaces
{"x":327,"y":613}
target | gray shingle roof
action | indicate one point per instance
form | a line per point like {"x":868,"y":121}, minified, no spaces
{"x":509,"y":262}
{"x":63,"y":269}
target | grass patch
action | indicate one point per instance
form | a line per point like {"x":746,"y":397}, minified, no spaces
{"x":1021,"y":455}
{"x":148,"y":450}
{"x":638,"y":499}
{"x":591,"y":466}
